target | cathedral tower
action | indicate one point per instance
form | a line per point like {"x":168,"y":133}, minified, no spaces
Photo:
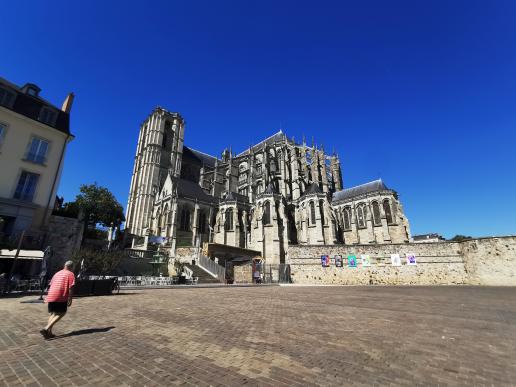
{"x":159,"y":153}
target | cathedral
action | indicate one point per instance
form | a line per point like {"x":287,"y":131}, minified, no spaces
{"x":274,"y":194}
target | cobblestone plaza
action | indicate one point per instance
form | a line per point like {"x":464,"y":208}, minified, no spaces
{"x":267,"y":335}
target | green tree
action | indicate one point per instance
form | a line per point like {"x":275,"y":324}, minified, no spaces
{"x":99,"y":206}
{"x":97,"y":262}
{"x":460,"y":238}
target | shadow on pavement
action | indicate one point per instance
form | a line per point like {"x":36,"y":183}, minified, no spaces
{"x":84,"y":332}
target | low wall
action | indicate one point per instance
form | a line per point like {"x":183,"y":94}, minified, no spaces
{"x":485,"y":261}
{"x":64,"y":236}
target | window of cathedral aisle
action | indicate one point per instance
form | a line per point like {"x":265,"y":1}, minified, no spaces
{"x":376,"y":213}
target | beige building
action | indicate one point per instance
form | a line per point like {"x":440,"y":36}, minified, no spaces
{"x":275,"y":194}
{"x":33,"y":138}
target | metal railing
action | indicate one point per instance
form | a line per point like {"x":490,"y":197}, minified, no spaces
{"x":212,"y":267}
{"x":136,"y":253}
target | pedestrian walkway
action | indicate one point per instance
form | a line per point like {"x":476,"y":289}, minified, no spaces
{"x":268,"y":336}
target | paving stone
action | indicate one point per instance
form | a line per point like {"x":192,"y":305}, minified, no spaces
{"x":267,"y":336}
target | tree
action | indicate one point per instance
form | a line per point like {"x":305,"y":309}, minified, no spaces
{"x":99,"y":206}
{"x":97,"y":262}
{"x":460,"y":238}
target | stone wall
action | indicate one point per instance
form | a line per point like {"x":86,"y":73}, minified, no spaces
{"x":64,"y":236}
{"x":490,"y":261}
{"x":487,"y":261}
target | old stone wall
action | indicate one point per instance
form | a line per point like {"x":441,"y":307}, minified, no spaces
{"x":186,"y":254}
{"x":64,"y":236}
{"x":490,"y":261}
{"x":487,"y":261}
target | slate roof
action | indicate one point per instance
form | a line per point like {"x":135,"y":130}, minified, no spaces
{"x":279,"y":136}
{"x":189,"y":189}
{"x":313,"y":189}
{"x":233,"y":196}
{"x":206,"y":159}
{"x":348,"y":193}
{"x":30,"y":106}
{"x":270,"y":190}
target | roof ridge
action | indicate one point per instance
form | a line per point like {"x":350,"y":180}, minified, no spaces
{"x":268,"y":138}
{"x":204,"y":153}
{"x":361,"y":185}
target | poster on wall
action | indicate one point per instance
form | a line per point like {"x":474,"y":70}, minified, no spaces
{"x":411,"y":259}
{"x":325,"y":260}
{"x":395,"y":260}
{"x":366,"y":260}
{"x":338,"y":261}
{"x":352,"y":260}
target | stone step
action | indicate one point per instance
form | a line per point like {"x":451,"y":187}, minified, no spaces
{"x":204,"y":277}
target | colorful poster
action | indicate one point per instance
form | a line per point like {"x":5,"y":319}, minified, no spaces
{"x":352,"y":260}
{"x":411,"y":259}
{"x":366,"y":260}
{"x":325,"y":260}
{"x":395,"y":260}
{"x":338,"y":261}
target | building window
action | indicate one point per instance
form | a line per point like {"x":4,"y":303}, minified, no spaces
{"x":202,"y":223}
{"x":26,"y":186}
{"x":347,"y":218}
{"x":259,"y":189}
{"x":321,"y":210}
{"x":6,"y":98}
{"x":184,"y":223}
{"x":312,"y":213}
{"x":228,"y":223}
{"x":3,"y":129}
{"x":37,"y":152}
{"x":243,"y":191}
{"x":266,"y":219}
{"x":376,"y":214}
{"x":387,"y":210}
{"x":48,"y":116}
{"x":362,"y":215}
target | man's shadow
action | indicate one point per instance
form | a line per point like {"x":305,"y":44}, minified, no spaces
{"x":83,"y":332}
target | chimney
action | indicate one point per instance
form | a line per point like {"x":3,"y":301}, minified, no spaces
{"x":67,"y":104}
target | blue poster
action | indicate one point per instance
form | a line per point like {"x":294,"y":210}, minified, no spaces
{"x":325,"y":260}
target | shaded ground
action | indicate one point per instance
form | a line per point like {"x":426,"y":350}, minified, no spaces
{"x":267,"y":336}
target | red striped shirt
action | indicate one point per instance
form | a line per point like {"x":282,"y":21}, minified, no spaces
{"x":60,"y":286}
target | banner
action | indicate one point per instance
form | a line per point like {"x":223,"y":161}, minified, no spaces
{"x":411,"y":259}
{"x":395,"y":260}
{"x":352,"y":260}
{"x":338,"y":261}
{"x":366,"y":260}
{"x":325,"y":260}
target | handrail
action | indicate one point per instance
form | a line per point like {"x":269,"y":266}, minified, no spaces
{"x":212,"y":267}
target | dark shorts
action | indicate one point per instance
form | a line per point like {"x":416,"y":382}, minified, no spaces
{"x":57,"y":307}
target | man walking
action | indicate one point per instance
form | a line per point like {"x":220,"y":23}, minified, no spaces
{"x":59,"y":297}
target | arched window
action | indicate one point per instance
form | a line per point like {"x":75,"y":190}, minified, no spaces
{"x":201,"y":226}
{"x":376,"y":213}
{"x":184,"y":224}
{"x":387,"y":210}
{"x":163,"y":221}
{"x":347,"y":218}
{"x":321,"y":210}
{"x":362,"y":215}
{"x":228,"y":224}
{"x":312,"y":213}
{"x":266,"y":218}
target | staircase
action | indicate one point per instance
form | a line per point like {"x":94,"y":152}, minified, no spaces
{"x":203,"y":275}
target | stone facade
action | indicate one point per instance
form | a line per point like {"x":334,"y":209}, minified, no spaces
{"x":273,"y":195}
{"x":484,"y":261}
{"x":65,"y":237}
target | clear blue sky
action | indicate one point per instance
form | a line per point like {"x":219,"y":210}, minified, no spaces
{"x":421,"y":94}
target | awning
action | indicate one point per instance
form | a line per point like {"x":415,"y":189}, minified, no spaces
{"x":24,"y":254}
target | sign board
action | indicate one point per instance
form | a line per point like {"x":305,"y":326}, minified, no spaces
{"x":325,"y":260}
{"x":338,"y":261}
{"x":366,"y":260}
{"x":411,"y":259}
{"x":352,"y":260}
{"x":395,"y":260}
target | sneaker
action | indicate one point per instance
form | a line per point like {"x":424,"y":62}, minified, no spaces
{"x":44,"y":333}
